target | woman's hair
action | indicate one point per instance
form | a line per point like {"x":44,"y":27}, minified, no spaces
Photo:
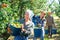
{"x":43,"y":12}
{"x":31,"y":14}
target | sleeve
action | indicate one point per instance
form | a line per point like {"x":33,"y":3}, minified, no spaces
{"x":52,"y":20}
{"x":34,"y":20}
{"x":37,"y":19}
{"x":33,"y":25}
{"x":46,"y":20}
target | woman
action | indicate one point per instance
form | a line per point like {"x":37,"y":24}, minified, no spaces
{"x":40,"y":23}
{"x":27,"y":27}
{"x":28,"y":24}
{"x":50,"y":23}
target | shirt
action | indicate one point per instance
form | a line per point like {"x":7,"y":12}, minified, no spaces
{"x":40,"y":21}
{"x":37,"y":20}
{"x":28,"y":26}
{"x":49,"y":20}
{"x":34,"y":20}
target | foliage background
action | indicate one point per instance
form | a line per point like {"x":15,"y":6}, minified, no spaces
{"x":11,"y":10}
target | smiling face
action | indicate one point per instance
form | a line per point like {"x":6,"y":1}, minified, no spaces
{"x":42,"y":14}
{"x":26,"y":16}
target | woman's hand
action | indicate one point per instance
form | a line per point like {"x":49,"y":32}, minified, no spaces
{"x":39,"y":24}
{"x":24,"y":30}
{"x":9,"y":30}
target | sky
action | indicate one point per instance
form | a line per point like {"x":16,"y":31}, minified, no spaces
{"x":50,"y":1}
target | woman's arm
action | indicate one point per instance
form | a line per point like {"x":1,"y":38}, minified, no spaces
{"x":23,"y":28}
{"x":53,"y":22}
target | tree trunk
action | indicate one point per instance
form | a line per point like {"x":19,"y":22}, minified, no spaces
{"x":21,"y":5}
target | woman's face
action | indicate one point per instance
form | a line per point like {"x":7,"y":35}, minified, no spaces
{"x":26,"y":16}
{"x":49,"y":13}
{"x":42,"y":14}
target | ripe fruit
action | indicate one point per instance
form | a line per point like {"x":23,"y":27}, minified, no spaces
{"x":4,"y":5}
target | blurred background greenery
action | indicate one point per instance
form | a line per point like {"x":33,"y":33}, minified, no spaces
{"x":11,"y":10}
